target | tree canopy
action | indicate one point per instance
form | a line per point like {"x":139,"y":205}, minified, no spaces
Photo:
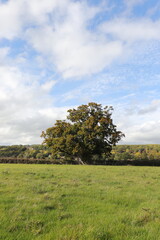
{"x":87,"y":136}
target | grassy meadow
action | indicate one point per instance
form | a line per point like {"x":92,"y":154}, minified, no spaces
{"x":50,"y":202}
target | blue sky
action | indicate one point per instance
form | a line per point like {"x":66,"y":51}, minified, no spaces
{"x":56,"y":55}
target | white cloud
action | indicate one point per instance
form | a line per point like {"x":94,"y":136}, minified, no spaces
{"x":139,"y":122}
{"x":17,"y":15}
{"x":25,"y":105}
{"x":26,"y":126}
{"x":132,"y":30}
{"x":154,"y":106}
{"x":60,"y":31}
{"x":10,"y":19}
{"x":146,"y":133}
{"x":47,"y":86}
{"x":74,"y":49}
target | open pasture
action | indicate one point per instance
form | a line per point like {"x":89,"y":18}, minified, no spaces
{"x":54,"y":202}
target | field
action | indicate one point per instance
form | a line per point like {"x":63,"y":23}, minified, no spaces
{"x":50,"y":202}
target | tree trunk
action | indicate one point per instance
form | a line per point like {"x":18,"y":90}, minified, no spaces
{"x":79,"y":160}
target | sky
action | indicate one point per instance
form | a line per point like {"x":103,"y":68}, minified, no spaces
{"x":59,"y":54}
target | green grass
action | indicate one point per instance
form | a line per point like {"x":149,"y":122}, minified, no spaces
{"x":49,"y":202}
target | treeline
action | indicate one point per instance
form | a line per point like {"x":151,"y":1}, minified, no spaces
{"x":136,"y":152}
{"x":42,"y":154}
{"x":25,"y":152}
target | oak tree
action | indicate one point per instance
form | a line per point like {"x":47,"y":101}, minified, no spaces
{"x":87,"y":136}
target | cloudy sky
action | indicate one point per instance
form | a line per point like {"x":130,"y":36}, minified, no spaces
{"x":58,"y":54}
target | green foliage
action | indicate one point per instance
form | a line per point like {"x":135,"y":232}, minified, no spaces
{"x":87,"y":136}
{"x":26,"y":151}
{"x":136,"y":152}
{"x":12,"y":151}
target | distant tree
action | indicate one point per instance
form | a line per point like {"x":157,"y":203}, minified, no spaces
{"x":87,"y":136}
{"x":123,"y":156}
{"x":144,"y":156}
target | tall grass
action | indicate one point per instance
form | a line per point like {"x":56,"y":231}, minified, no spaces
{"x":49,"y":202}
